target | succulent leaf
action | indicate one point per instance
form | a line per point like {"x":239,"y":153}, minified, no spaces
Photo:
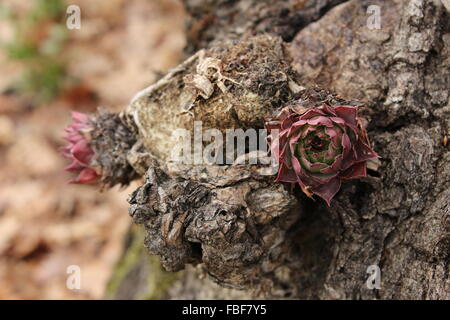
{"x":319,"y":148}
{"x":78,"y":149}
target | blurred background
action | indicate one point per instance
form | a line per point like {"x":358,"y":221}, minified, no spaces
{"x":47,"y":70}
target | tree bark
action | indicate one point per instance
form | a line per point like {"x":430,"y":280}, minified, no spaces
{"x":246,"y":232}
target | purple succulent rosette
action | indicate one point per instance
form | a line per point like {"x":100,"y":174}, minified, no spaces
{"x":319,"y":148}
{"x":78,"y":149}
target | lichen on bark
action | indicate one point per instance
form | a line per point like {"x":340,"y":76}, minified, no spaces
{"x":245,"y":81}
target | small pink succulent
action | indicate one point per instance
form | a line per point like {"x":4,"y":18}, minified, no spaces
{"x":78,"y":149}
{"x":319,"y":148}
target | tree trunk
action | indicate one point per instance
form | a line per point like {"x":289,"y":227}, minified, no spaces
{"x":246,"y":232}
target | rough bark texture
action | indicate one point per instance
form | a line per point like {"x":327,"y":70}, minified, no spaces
{"x":246,"y":232}
{"x":236,"y":223}
{"x":399,"y":220}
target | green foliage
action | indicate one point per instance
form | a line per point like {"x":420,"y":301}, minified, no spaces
{"x":39,"y":39}
{"x":45,"y":80}
{"x":48,"y":9}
